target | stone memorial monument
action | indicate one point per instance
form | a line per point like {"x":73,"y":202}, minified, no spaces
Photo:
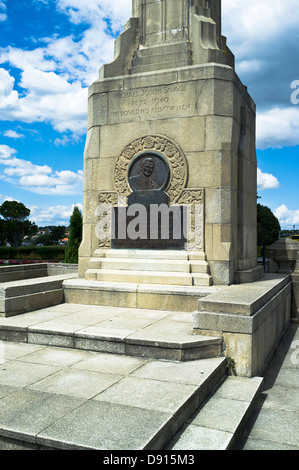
{"x":170,"y":185}
{"x":170,"y":123}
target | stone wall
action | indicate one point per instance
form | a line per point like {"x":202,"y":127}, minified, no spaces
{"x":32,"y":271}
{"x":251,"y":318}
{"x":284,"y":258}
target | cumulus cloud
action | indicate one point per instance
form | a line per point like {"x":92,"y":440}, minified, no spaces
{"x":266,"y":181}
{"x":278,"y":128}
{"x":49,"y":98}
{"x":3,"y":15}
{"x":13,"y":134}
{"x":286,"y":216}
{"x":56,"y":215}
{"x":267,"y":63}
{"x":36,"y":178}
{"x":55,"y":75}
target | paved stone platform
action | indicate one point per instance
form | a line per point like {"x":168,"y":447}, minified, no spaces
{"x":274,"y":423}
{"x":57,"y":398}
{"x":136,"y":332}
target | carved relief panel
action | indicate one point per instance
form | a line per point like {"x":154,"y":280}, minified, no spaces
{"x":155,"y":162}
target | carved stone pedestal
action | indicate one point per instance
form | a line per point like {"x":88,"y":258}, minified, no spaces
{"x":171,"y":99}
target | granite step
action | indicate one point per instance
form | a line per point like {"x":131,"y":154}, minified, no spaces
{"x":221,"y":419}
{"x":125,"y":331}
{"x":144,"y":254}
{"x":149,"y":277}
{"x":140,"y":264}
{"x":57,"y":399}
{"x":178,"y":268}
{"x":136,"y":295}
{"x":197,"y":266}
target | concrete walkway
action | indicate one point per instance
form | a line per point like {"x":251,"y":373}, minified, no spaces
{"x":274,"y":423}
{"x":56,"y":397}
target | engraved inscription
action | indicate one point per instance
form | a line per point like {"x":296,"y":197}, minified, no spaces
{"x":155,"y":101}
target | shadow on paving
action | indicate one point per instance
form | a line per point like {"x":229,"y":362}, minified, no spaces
{"x":274,"y":422}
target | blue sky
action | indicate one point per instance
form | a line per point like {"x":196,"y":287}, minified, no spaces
{"x":52,"y":50}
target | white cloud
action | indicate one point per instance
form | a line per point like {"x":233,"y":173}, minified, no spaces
{"x":246,"y":24}
{"x":8,"y":96}
{"x":55,"y":77}
{"x":286,"y":216}
{"x":36,"y":178}
{"x":56,"y":215}
{"x":59,"y":182}
{"x":266,"y":181}
{"x":6,"y":152}
{"x":91,"y":11}
{"x":49,"y":98}
{"x":278,"y":128}
{"x":13,"y":134}
{"x":3,"y":15}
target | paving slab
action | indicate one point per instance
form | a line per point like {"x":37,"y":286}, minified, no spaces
{"x":218,"y":422}
{"x":69,"y":399}
{"x":274,"y":423}
{"x":121,"y":330}
{"x":106,"y":426}
{"x":25,"y":413}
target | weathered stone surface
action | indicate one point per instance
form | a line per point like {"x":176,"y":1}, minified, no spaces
{"x":172,"y":91}
{"x":251,"y":318}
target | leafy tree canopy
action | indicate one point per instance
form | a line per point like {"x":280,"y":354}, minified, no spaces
{"x":13,"y":210}
{"x":15,"y":224}
{"x":75,"y":237}
{"x":268,"y":226}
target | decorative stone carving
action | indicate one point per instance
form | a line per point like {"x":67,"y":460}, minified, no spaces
{"x":194,"y":199}
{"x":161,"y":145}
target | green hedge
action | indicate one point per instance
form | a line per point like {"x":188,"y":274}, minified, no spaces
{"x":46,"y":253}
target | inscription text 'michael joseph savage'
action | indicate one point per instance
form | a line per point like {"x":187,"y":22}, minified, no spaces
{"x":153,"y":100}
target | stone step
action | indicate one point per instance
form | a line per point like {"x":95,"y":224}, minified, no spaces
{"x":145,"y":254}
{"x":142,"y":277}
{"x":140,"y":264}
{"x":220,"y":420}
{"x":69,"y":400}
{"x":17,"y":297}
{"x":196,"y":266}
{"x":136,"y":295}
{"x":125,"y":331}
{"x":149,"y":277}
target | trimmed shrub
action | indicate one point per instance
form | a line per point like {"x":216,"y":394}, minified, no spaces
{"x":34,"y":253}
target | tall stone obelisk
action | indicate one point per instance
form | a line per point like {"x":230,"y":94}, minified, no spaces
{"x":172,"y":94}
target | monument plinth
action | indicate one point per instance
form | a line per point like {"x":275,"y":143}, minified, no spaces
{"x":170,"y":184}
{"x":171,"y":97}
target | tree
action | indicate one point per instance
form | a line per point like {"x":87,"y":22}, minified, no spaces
{"x":2,"y":232}
{"x":268,"y":226}
{"x":58,"y":233}
{"x":75,"y":237}
{"x":15,"y":224}
{"x":51,"y":236}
